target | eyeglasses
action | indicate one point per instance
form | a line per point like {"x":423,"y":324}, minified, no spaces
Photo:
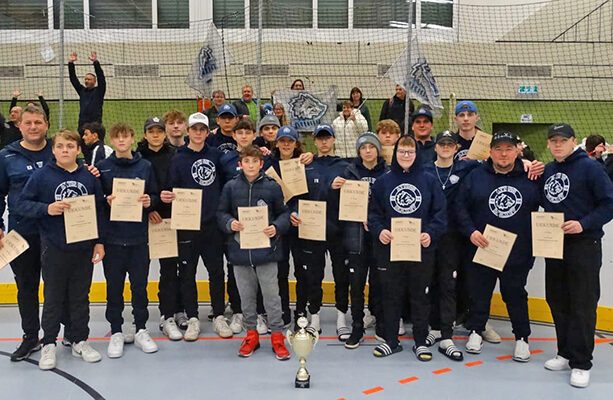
{"x":405,"y":152}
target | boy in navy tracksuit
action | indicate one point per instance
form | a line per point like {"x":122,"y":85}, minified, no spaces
{"x":258,"y":267}
{"x":579,"y":188}
{"x":66,"y":268}
{"x":406,"y":191}
{"x":499,"y":193}
{"x":368,"y":166}
{"x":222,"y":138}
{"x":309,"y":276}
{"x":197,"y":166}
{"x":127,"y":251}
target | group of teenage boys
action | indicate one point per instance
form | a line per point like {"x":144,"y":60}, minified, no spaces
{"x":428,"y":178}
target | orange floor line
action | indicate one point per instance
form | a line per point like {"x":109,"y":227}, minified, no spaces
{"x":505,"y":357}
{"x":537,"y":351}
{"x":373,"y":390}
{"x":473,"y":363}
{"x":408,"y":380}
{"x":442,"y":371}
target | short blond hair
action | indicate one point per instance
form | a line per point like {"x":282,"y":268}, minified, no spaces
{"x":388,"y":125}
{"x":67,"y":134}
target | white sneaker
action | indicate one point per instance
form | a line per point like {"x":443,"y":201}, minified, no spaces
{"x":490,"y":335}
{"x":401,"y":329}
{"x":115,"y":349}
{"x":181,"y":320}
{"x":522,"y":351}
{"x":143,"y":341}
{"x":236,"y":323}
{"x":170,"y":329}
{"x":369,"y":320}
{"x":579,"y":377}
{"x":128,"y":337}
{"x":47,"y":357}
{"x":261,"y":325}
{"x":220,"y":326}
{"x":84,"y":350}
{"x":193,"y":329}
{"x":474,"y":345}
{"x":316,"y":322}
{"x":558,"y":363}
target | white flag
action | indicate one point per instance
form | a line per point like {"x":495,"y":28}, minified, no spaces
{"x":210,"y":60}
{"x":307,"y":109}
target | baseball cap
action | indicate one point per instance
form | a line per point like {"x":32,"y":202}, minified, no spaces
{"x":268,"y":120}
{"x":503,"y":136}
{"x":197,"y":118}
{"x":368,"y":137}
{"x":446,"y":137}
{"x":421,"y":112}
{"x":563,"y":130}
{"x":227,"y":109}
{"x":323,"y":128}
{"x":465,"y":105}
{"x":154,"y":121}
{"x":288,"y":132}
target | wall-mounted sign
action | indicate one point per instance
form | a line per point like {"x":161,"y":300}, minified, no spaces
{"x":526,"y":119}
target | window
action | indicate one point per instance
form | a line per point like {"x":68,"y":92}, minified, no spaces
{"x":279,"y":14}
{"x":173,"y":14}
{"x":379,"y":13}
{"x":120,"y":14}
{"x":437,"y":13}
{"x":73,"y":14}
{"x":332,"y":14}
{"x":24,"y":14}
{"x":229,"y":13}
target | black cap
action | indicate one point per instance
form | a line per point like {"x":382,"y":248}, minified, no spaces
{"x":422,"y":112}
{"x":563,"y":130}
{"x":504,"y":136}
{"x":446,"y":136}
{"x":154,"y":121}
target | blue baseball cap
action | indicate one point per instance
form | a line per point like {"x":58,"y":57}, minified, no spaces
{"x":421,"y":112}
{"x":465,"y":105}
{"x":227,"y":109}
{"x":287,"y":132}
{"x":323,"y":128}
{"x":563,"y":130}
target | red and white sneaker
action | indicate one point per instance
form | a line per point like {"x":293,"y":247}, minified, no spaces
{"x":250,"y":344}
{"x":278,"y":346}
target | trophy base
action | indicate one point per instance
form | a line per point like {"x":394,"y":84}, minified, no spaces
{"x":303,"y":384}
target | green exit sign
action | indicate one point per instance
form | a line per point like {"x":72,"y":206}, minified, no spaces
{"x":528,"y":89}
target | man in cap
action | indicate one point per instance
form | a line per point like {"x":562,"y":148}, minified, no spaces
{"x":421,"y":126}
{"x":579,"y":188}
{"x":267,"y":128}
{"x":222,"y":139}
{"x":466,"y":117}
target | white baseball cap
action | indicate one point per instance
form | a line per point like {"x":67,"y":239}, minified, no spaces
{"x":197,"y":118}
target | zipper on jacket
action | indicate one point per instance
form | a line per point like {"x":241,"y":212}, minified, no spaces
{"x":250,"y":187}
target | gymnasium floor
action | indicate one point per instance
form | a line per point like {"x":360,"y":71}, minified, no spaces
{"x":210,"y":369}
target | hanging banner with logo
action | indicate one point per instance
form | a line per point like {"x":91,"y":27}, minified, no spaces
{"x":209,"y":60}
{"x":422,"y":85}
{"x":307,"y":109}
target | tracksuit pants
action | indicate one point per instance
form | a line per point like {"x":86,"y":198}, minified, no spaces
{"x":361,"y":267}
{"x":395,"y":277}
{"x":68,"y":278}
{"x":133,"y":261}
{"x":208,"y":245}
{"x":572,"y":288}
{"x":27,"y":270}
{"x":168,"y":289}
{"x":513,"y":281}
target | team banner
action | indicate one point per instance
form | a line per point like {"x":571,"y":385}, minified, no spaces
{"x":209,"y":60}
{"x":307,"y":109}
{"x":422,"y":85}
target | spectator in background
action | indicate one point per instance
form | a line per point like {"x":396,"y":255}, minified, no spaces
{"x":357,"y":101}
{"x":91,"y":97}
{"x":297,"y":84}
{"x":525,"y":151}
{"x":219,"y":98}
{"x":348,"y":126}
{"x":41,"y":102}
{"x":393,"y":108}
{"x":94,"y":149}
{"x":247,"y":105}
{"x":279,"y":111}
{"x":595,"y":145}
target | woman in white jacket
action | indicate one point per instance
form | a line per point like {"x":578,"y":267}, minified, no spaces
{"x":348,"y":126}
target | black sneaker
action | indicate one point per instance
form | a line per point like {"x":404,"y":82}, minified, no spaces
{"x":27,"y":347}
{"x":356,"y":337}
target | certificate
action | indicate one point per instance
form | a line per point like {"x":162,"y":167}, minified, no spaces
{"x":126,"y":207}
{"x":186,"y":209}
{"x":547,"y":235}
{"x":293,"y":175}
{"x":313,"y":216}
{"x":387,"y":152}
{"x":162,"y":240}
{"x":254,"y":220}
{"x":273,"y":174}
{"x":353,"y":204}
{"x":480,"y":146}
{"x":496,"y":254}
{"x":406,"y":244}
{"x":80,"y":219}
{"x":13,"y":245}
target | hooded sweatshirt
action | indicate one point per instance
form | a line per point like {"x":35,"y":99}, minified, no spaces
{"x":160,"y":160}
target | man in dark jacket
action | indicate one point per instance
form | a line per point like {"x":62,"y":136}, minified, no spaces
{"x":91,"y":97}
{"x":579,"y":188}
{"x":394,"y":108}
{"x":500,"y":194}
